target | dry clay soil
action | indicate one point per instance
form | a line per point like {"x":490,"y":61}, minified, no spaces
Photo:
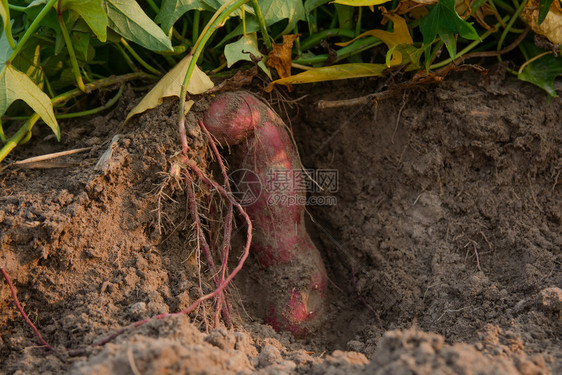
{"x":443,"y":249}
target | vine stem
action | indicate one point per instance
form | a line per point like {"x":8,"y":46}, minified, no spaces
{"x":261,"y":23}
{"x":17,"y":8}
{"x":352,"y":49}
{"x":315,"y":39}
{"x":195,"y":27}
{"x":92,"y":111}
{"x":137,"y":57}
{"x":214,"y":23}
{"x":531,"y":60}
{"x":71,"y":54}
{"x":510,"y":23}
{"x":34,"y":25}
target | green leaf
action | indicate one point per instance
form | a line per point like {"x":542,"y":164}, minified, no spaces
{"x":450,"y":43}
{"x":16,"y":85}
{"x":172,"y":10}
{"x":544,"y":7}
{"x":128,"y":19}
{"x":65,"y":80}
{"x":445,"y":21}
{"x":331,"y":73}
{"x":214,"y":5}
{"x":274,"y":11}
{"x":81,"y":44}
{"x":170,"y":85}
{"x":251,"y":27}
{"x":51,"y":20}
{"x":543,"y":71}
{"x":360,"y":3}
{"x":345,"y":16}
{"x":5,"y":50}
{"x":238,"y":51}
{"x":92,"y":12}
{"x":310,"y":5}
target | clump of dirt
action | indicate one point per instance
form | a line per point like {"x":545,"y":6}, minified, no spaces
{"x":448,"y":220}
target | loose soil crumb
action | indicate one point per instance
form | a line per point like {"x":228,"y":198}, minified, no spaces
{"x":444,"y":247}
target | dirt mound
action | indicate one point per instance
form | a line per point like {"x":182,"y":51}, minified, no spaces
{"x":448,"y":219}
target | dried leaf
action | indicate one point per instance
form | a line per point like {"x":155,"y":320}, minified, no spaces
{"x":414,"y":8}
{"x":551,"y":27}
{"x":280,"y":56}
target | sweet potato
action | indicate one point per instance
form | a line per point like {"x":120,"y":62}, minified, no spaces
{"x":281,"y":242}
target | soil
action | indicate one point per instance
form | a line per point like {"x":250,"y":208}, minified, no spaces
{"x":443,"y":249}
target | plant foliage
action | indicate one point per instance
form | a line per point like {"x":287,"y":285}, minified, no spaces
{"x":52,"y":52}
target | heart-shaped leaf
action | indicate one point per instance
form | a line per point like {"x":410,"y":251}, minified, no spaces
{"x":444,"y":20}
{"x":16,"y":85}
{"x":172,"y":10}
{"x":92,"y":12}
{"x":128,"y":19}
{"x":241,"y":50}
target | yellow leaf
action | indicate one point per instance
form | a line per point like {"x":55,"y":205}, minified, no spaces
{"x":170,"y":85}
{"x":552,"y":24}
{"x":360,"y":3}
{"x":331,"y":73}
{"x":400,"y":35}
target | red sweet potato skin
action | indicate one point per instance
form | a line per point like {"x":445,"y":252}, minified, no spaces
{"x":231,"y":117}
{"x":280,"y":240}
